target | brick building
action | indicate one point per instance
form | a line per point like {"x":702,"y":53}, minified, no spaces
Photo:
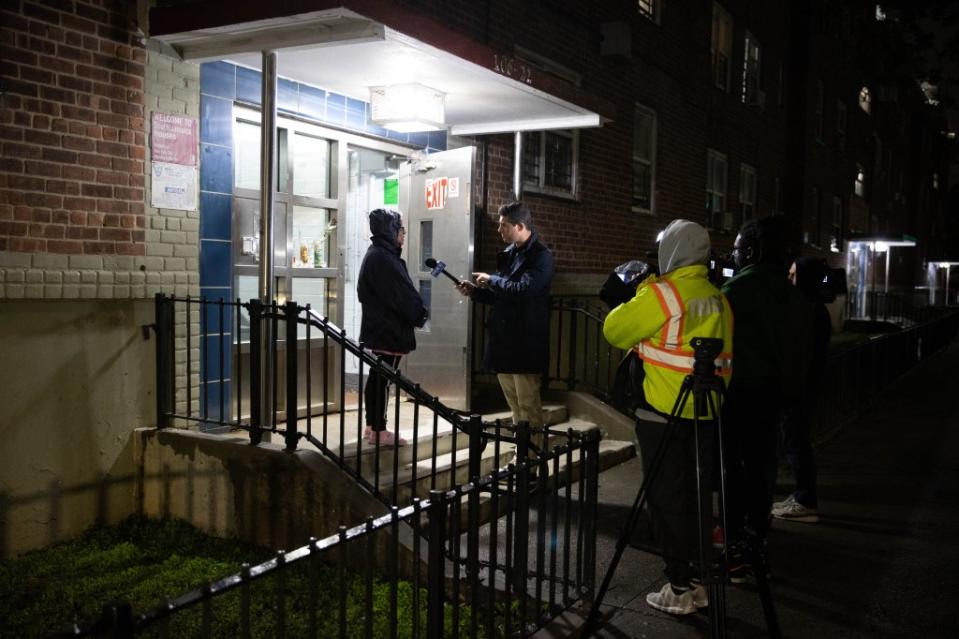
{"x":717,"y":112}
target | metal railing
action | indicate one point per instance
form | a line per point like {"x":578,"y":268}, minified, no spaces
{"x":894,"y":307}
{"x":856,"y":376}
{"x":536,"y":559}
{"x":580,"y":358}
{"x":309,"y":393}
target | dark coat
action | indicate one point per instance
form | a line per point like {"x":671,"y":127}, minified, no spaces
{"x":517,"y":331}
{"x":391,"y":304}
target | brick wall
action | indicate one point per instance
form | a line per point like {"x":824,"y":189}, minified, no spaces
{"x":79,"y":88}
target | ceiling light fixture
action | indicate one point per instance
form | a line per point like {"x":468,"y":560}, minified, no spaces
{"x":406,"y":108}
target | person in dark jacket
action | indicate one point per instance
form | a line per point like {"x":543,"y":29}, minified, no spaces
{"x":808,"y":275}
{"x":769,"y":336}
{"x":517,"y":340}
{"x":392,"y":307}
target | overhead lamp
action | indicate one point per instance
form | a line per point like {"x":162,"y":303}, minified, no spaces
{"x":406,"y":108}
{"x":880,"y":247}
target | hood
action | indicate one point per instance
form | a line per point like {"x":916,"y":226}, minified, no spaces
{"x":385,"y":224}
{"x":684,"y":243}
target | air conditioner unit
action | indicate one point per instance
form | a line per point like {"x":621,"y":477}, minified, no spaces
{"x":757,"y":98}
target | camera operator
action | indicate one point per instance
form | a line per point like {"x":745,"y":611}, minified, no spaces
{"x":771,"y":334}
{"x":659,"y":322}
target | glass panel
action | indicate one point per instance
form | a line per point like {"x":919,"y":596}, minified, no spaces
{"x":559,"y":161}
{"x":426,"y":292}
{"x":312,"y":291}
{"x":643,"y":136}
{"x":246,"y":155}
{"x":426,"y":243}
{"x":247,"y":287}
{"x":311,"y":166}
{"x":531,"y":151}
{"x":282,"y":161}
{"x":642,"y":180}
{"x":313,"y":236}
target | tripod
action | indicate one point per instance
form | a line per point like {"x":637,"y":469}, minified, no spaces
{"x":704,"y":385}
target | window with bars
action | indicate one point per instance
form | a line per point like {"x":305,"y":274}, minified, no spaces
{"x":820,"y":111}
{"x":721,"y":48}
{"x":751,"y":92}
{"x":747,"y":193}
{"x":835,"y":240}
{"x":716,"y":190}
{"x":841,"y":125}
{"x":811,"y":235}
{"x":644,"y":159}
{"x":648,"y":9}
{"x":549,"y":161}
{"x":865,"y":100}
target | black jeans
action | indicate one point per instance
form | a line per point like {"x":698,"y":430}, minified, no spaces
{"x":750,"y":423}
{"x":671,"y":500}
{"x":374,"y":395}
{"x":797,"y":449}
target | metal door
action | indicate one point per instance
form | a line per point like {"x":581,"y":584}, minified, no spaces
{"x":439,"y":214}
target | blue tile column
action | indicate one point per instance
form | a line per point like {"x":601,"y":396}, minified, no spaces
{"x":218,"y":91}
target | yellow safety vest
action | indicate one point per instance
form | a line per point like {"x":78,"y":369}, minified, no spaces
{"x":659,"y":322}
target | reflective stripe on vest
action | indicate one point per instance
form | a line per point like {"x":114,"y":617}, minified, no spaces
{"x":679,"y":361}
{"x":672,"y":305}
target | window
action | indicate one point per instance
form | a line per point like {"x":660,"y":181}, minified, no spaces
{"x":644,"y":159}
{"x":747,"y":192}
{"x":716,"y":190}
{"x":648,"y":9}
{"x":841,"y":125}
{"x":865,"y":100}
{"x":721,"y":48}
{"x":860,"y":186}
{"x":751,"y":93}
{"x":549,"y":162}
{"x":835,"y":240}
{"x":820,"y":105}
{"x":811,"y":236}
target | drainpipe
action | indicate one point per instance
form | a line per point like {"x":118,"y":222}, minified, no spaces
{"x":267,"y":188}
{"x":518,"y":165}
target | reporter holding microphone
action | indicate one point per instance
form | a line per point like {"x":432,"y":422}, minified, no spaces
{"x":517,"y":339}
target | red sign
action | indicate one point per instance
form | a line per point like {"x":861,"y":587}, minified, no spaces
{"x":173,"y":139}
{"x":436,"y":193}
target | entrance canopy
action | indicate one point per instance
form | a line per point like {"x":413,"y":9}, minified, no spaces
{"x":349,"y":47}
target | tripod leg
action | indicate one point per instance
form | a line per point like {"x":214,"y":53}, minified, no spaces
{"x":716,"y":577}
{"x":648,"y":477}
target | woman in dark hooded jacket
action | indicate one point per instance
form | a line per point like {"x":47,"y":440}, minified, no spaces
{"x":392,"y":307}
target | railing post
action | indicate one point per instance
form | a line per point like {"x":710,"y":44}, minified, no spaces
{"x":435,"y":573}
{"x":256,"y":372}
{"x":120,"y":619}
{"x":571,"y":378}
{"x":476,"y":445}
{"x":165,"y":372}
{"x":290,"y":312}
{"x":521,"y":525}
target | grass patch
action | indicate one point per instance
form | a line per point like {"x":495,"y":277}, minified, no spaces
{"x":145,"y":562}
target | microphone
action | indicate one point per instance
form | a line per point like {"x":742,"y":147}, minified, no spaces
{"x":440,"y":267}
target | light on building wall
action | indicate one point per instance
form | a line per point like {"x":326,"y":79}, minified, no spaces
{"x":880,"y":247}
{"x":406,"y":108}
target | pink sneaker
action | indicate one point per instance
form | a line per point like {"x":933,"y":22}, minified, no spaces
{"x":386,"y":438}
{"x":368,"y":433}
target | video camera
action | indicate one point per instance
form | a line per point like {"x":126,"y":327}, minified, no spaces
{"x":620,"y":286}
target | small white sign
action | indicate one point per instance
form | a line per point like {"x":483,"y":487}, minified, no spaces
{"x":453,"y":188}
{"x":173,"y":186}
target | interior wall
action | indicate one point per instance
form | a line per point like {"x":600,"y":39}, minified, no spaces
{"x":77,"y":377}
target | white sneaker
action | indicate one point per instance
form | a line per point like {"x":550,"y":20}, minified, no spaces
{"x":792,"y":510}
{"x":700,"y":598}
{"x":668,"y":601}
{"x":778,"y":505}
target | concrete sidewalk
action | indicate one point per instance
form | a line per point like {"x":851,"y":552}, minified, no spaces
{"x":882,"y":562}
